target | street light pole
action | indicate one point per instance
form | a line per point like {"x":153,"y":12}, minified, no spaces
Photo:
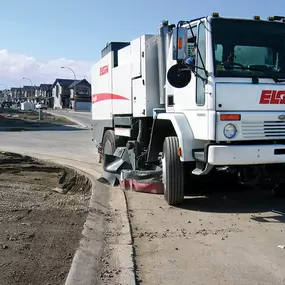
{"x":74,"y":88}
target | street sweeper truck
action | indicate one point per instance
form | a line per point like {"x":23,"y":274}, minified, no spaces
{"x":200,"y":97}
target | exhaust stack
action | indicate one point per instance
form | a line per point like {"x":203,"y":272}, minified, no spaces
{"x":162,"y":49}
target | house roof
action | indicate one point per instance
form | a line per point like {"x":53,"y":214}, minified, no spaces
{"x":15,"y":88}
{"x":45,"y":86}
{"x":25,"y":87}
{"x":74,"y":83}
{"x":77,"y":82}
{"x":63,"y":82}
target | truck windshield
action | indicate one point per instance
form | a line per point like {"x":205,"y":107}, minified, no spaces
{"x":247,"y":48}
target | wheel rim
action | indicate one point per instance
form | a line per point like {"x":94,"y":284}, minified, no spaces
{"x":108,"y":148}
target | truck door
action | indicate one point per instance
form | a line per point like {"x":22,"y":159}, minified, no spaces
{"x":202,"y":113}
{"x":193,"y":100}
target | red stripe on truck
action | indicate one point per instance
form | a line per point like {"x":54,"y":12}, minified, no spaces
{"x":104,"y":70}
{"x":106,"y":96}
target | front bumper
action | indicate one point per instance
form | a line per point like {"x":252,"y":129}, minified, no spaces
{"x":245,"y":154}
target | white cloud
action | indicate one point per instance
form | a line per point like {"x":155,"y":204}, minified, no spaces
{"x":13,"y":67}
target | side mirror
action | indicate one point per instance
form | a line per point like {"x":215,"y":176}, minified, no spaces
{"x":180,"y":46}
{"x":179,"y":75}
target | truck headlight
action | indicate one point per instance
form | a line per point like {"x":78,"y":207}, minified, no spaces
{"x":230,"y":131}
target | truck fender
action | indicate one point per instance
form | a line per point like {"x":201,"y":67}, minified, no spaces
{"x":168,"y":124}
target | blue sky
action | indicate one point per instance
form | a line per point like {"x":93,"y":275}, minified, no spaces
{"x":77,"y":30}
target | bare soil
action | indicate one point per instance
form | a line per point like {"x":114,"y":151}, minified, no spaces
{"x":16,"y":118}
{"x":42,"y":211}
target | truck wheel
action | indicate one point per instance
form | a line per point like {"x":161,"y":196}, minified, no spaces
{"x":173,"y":172}
{"x":111,"y":142}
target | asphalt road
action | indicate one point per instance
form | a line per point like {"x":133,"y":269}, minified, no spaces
{"x":76,"y":145}
{"x":227,"y":238}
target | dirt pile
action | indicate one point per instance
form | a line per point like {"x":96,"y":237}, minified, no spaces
{"x":42,"y":211}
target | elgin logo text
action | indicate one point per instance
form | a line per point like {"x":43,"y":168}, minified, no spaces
{"x":104,"y":70}
{"x":272,"y":97}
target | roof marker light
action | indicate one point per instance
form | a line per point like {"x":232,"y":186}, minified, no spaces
{"x":278,"y":18}
{"x":256,"y":17}
{"x":216,"y":14}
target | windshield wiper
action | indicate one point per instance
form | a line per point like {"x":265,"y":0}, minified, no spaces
{"x":275,"y":78}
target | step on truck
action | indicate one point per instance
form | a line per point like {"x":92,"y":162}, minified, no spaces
{"x":199,"y":98}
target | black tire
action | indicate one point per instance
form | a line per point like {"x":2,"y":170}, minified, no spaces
{"x":173,"y":172}
{"x":111,"y":142}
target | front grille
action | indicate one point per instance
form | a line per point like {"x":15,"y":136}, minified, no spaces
{"x":266,"y":129}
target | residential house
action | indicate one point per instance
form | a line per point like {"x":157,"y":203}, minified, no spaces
{"x":80,"y":95}
{"x":17,"y":93}
{"x":28,"y":91}
{"x":68,"y":93}
{"x":61,"y":93}
{"x":44,"y":94}
{"x":45,"y":90}
{"x":37,"y":91}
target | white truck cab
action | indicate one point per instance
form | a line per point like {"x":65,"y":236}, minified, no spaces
{"x":235,"y":106}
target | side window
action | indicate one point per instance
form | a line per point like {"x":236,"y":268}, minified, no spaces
{"x":218,"y":53}
{"x":191,"y":43}
{"x":191,"y":40}
{"x":200,"y":93}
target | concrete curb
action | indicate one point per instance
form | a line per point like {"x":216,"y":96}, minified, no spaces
{"x":68,"y":118}
{"x":86,"y":264}
{"x":78,"y":112}
{"x":87,"y":261}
